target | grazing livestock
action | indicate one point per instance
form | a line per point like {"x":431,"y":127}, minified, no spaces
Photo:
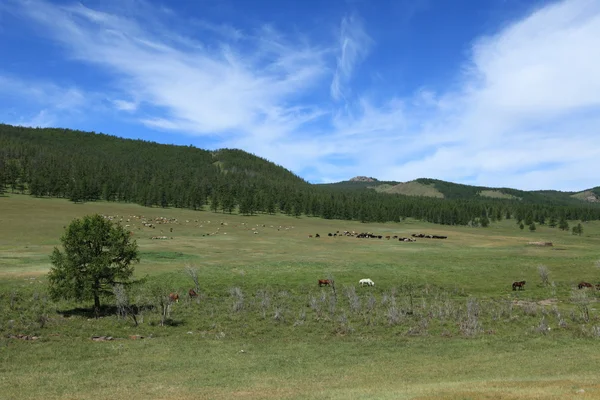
{"x":317,"y":235}
{"x":309,"y":236}
{"x":174,"y":297}
{"x":367,"y":282}
{"x":519,"y":285}
{"x":324,"y":282}
{"x":192,"y":294}
{"x":330,"y":234}
{"x":422,"y":235}
{"x":585,"y":284}
{"x":402,"y":239}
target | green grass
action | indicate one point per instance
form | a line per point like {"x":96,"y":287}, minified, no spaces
{"x":310,"y":350}
{"x":413,"y":189}
{"x":497,"y":194}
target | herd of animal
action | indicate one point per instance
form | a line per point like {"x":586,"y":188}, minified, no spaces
{"x":587,"y":285}
{"x":521,"y":284}
{"x":370,"y":235}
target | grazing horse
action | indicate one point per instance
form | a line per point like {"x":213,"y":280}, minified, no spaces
{"x":584,"y":284}
{"x":192,"y":294}
{"x":174,"y":297}
{"x":309,"y":236}
{"x":324,"y":282}
{"x":519,"y":285}
{"x":367,"y":282}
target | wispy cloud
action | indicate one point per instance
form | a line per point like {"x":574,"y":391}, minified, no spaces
{"x":524,"y":112}
{"x":354,"y":44}
{"x":212,"y":89}
{"x":124,"y":105}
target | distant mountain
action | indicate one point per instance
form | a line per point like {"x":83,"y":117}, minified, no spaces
{"x":426,"y":187}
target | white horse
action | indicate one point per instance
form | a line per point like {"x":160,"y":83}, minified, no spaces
{"x":367,"y":282}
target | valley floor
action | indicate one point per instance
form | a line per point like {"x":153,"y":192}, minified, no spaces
{"x":441,"y":322}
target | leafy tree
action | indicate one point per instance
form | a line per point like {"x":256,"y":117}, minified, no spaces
{"x":97,"y":255}
{"x":521,"y":226}
{"x":578,"y":229}
{"x":532,"y":227}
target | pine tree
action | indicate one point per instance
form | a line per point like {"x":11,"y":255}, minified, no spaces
{"x":529,"y":218}
{"x":214,"y":201}
{"x":485,"y":222}
{"x":563,"y":225}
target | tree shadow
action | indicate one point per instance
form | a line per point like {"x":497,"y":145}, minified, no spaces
{"x":104,"y":311}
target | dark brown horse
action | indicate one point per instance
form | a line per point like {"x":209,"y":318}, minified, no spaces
{"x":520,"y":285}
{"x":324,"y":282}
{"x":192,"y":294}
{"x":584,"y":284}
{"x":174,"y":297}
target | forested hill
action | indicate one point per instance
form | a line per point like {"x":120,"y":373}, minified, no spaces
{"x":84,"y":166}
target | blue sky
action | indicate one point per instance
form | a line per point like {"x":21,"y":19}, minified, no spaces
{"x":487,"y":92}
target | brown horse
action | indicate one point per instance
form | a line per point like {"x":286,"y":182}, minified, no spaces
{"x":192,"y":294}
{"x":324,"y":282}
{"x":519,"y":285}
{"x":174,"y":297}
{"x":584,"y":284}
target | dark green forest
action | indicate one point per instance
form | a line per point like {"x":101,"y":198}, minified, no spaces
{"x":88,"y":166}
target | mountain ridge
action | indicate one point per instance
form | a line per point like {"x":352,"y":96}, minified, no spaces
{"x":429,"y":187}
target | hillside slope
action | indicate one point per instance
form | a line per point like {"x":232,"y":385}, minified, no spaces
{"x":87,"y":166}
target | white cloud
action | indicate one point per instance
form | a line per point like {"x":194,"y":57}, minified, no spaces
{"x":525,"y":114}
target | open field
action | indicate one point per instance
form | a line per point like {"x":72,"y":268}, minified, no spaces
{"x":441,"y":322}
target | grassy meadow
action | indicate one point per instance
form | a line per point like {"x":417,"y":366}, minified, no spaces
{"x":442,"y":320}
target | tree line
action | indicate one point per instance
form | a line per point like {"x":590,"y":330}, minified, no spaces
{"x":88,"y":166}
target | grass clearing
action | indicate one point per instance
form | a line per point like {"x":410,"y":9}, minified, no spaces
{"x":441,"y":322}
{"x":497,"y":194}
{"x":413,"y":188}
